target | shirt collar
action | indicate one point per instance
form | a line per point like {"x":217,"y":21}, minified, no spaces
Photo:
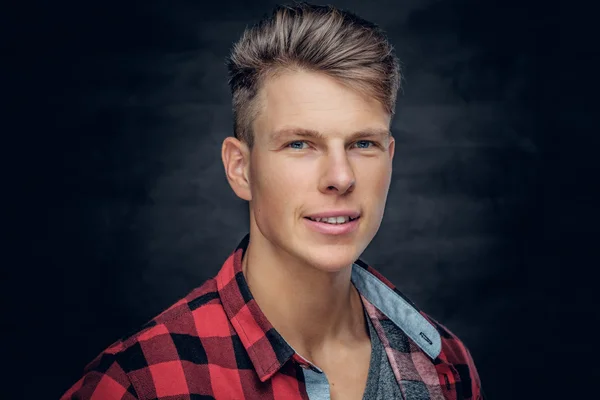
{"x":269,"y":351}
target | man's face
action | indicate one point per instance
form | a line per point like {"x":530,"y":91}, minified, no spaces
{"x":294,"y":174}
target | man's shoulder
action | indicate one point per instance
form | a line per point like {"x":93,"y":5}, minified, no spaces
{"x":176,"y":329}
{"x":453,"y":350}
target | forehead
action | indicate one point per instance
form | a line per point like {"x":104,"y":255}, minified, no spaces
{"x":315,"y":102}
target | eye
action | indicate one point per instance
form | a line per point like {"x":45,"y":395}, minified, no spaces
{"x":364,"y":144}
{"x":296,"y":145}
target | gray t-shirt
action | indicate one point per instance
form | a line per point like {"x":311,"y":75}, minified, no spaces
{"x":381,"y":382}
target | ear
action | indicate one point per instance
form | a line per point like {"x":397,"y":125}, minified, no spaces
{"x":236,"y":160}
{"x":392,"y":147}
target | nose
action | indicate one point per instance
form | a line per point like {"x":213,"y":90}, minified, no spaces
{"x":338,"y":175}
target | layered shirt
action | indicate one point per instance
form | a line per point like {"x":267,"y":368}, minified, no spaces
{"x":216,"y":343}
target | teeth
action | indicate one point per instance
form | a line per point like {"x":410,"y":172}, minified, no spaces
{"x":332,"y":220}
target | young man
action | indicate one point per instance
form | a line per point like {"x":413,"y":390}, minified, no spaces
{"x":293,"y":313}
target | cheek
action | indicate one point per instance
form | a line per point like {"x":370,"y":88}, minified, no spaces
{"x":375,"y":177}
{"x":276,"y":186}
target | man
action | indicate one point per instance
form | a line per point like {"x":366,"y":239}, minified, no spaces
{"x":293,"y":313}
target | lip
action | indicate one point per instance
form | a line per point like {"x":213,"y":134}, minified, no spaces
{"x":336,"y":213}
{"x":331,"y":229}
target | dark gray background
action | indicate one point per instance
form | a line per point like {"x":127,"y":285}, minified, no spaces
{"x":118,"y":204}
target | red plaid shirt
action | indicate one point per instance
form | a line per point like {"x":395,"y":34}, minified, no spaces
{"x":217,"y":344}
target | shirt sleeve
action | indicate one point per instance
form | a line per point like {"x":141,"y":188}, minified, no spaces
{"x":110,"y":384}
{"x":475,"y":380}
{"x":456,"y":353}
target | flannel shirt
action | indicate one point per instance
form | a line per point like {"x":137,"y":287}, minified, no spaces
{"x":217,"y":344}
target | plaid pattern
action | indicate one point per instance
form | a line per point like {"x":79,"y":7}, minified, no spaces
{"x":217,"y":344}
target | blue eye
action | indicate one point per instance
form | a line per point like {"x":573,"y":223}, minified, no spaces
{"x":299,"y":144}
{"x":368,"y":142}
{"x":292,"y":144}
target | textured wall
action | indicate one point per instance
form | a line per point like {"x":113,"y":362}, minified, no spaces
{"x":123,"y":206}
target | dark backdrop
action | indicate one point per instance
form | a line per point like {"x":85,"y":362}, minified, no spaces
{"x":118,"y":204}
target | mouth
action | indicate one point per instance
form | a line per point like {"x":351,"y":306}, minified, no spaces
{"x":334,"y":220}
{"x":336,"y":226}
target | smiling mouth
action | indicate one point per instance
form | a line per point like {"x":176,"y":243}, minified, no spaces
{"x":333,"y":220}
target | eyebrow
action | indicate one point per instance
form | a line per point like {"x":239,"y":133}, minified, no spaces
{"x":368,"y":133}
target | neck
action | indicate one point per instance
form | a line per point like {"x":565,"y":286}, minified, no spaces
{"x":313,"y":310}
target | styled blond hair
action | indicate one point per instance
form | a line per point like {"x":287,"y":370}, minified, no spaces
{"x":322,"y":39}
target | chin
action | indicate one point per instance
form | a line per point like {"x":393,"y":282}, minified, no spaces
{"x":332,"y":260}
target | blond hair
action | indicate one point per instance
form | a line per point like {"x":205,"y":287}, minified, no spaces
{"x":323,"y":39}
